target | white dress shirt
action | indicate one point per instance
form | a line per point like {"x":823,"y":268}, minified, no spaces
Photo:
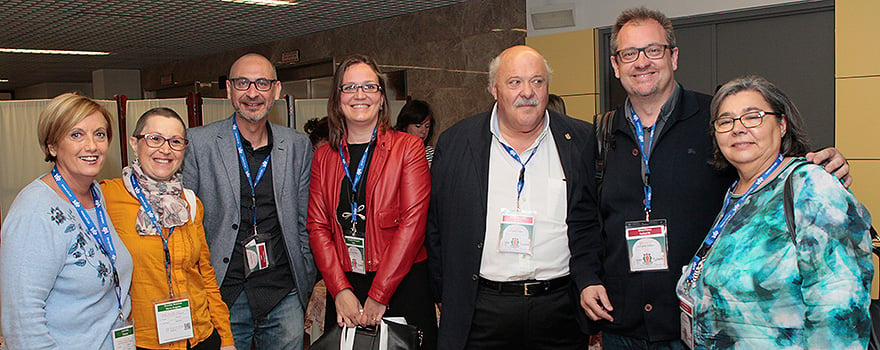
{"x":544,"y":193}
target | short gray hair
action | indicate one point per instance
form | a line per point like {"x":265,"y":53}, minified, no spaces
{"x":639,"y":14}
{"x":495,"y":62}
{"x":794,"y":143}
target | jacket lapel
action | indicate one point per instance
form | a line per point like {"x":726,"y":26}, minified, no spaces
{"x":378,"y":160}
{"x":562,"y":138}
{"x":478,"y":144}
{"x":279,"y":160}
{"x":228,"y":151}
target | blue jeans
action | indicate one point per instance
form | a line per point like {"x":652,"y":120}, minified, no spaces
{"x":282,"y":328}
{"x":620,"y":342}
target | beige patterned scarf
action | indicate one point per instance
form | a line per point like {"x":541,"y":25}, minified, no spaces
{"x":164,"y":197}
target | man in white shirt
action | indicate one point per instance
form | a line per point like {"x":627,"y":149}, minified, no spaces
{"x":513,"y":201}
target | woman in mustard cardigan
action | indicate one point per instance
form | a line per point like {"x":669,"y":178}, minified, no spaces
{"x":175,"y":299}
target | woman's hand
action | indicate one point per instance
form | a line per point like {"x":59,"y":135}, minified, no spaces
{"x":348,"y":309}
{"x":373,"y":312}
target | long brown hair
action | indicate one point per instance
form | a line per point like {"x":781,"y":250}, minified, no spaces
{"x":335,"y":116}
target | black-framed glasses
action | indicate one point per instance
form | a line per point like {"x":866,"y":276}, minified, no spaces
{"x":156,"y":141}
{"x":654,"y":52}
{"x":367,"y":88}
{"x":749,"y":119}
{"x":242,"y":84}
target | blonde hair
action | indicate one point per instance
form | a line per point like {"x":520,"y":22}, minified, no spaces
{"x":61,"y":114}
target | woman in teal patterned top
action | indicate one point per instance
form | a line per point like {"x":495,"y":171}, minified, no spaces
{"x":755,"y":287}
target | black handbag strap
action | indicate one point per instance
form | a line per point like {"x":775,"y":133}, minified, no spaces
{"x":604,"y":137}
{"x":788,"y":207}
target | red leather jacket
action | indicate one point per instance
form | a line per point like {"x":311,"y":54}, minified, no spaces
{"x":398,"y":192}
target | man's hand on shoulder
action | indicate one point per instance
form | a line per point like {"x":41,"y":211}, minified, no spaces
{"x":594,"y":301}
{"x":834,"y":163}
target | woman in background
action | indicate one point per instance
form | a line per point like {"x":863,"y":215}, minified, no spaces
{"x":368,"y":202}
{"x":417,"y":119}
{"x":64,"y":272}
{"x":318,"y":131}
{"x":161,"y":224}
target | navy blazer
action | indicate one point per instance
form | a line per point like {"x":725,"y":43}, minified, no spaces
{"x":457,"y":215}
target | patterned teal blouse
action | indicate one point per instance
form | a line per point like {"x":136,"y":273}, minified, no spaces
{"x":758,"y":291}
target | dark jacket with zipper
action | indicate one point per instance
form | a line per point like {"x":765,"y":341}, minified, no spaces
{"x":687,"y":192}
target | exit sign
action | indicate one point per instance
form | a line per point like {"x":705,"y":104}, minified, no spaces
{"x":290,"y":56}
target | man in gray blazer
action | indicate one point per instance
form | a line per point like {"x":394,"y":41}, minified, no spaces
{"x":253,"y":177}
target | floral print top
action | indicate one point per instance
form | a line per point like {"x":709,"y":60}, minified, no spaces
{"x":57,"y":285}
{"x":758,"y":290}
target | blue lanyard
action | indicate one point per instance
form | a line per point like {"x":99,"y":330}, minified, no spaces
{"x":357,"y":176}
{"x":105,"y":241}
{"x":247,"y":170}
{"x":716,"y":230}
{"x":521,"y":181}
{"x":152,"y":215}
{"x":640,"y":135}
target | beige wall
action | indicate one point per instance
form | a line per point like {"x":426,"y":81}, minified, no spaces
{"x":857,"y":90}
{"x":572,"y":56}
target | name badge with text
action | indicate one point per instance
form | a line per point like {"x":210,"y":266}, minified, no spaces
{"x":123,"y":338}
{"x":356,"y":255}
{"x":517,"y":231}
{"x":173,"y":319}
{"x":646,"y":245}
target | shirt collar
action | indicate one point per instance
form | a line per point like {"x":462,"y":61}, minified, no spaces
{"x":668,"y":106}
{"x":247,"y":144}
{"x":496,"y":132}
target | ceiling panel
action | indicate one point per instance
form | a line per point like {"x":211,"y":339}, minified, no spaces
{"x":141,"y":33}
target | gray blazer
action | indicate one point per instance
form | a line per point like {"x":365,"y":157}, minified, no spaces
{"x":211,"y":169}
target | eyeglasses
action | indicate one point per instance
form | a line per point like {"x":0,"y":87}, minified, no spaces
{"x":749,"y":120}
{"x":242,"y":84}
{"x":156,"y":141}
{"x":654,"y":52}
{"x":367,"y":88}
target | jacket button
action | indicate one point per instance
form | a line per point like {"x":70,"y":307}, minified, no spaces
{"x":369,"y":262}
{"x":235,"y":226}
{"x":635,"y":152}
{"x":480,"y":245}
{"x":648,"y":307}
{"x":225,"y":260}
{"x":475,"y":277}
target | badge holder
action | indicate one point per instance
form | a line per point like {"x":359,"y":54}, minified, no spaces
{"x":356,"y":254}
{"x":123,"y":337}
{"x":646,"y":245}
{"x":687,"y":321}
{"x":686,"y":306}
{"x":173,"y":318}
{"x":257,"y":254}
{"x":517,"y":231}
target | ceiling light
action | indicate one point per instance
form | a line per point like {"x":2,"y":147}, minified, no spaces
{"x":4,"y":80}
{"x":54,"y":52}
{"x":265,"y":2}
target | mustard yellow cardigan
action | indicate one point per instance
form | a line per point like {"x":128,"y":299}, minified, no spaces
{"x":191,"y":272}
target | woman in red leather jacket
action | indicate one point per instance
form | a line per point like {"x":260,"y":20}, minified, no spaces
{"x":368,"y":202}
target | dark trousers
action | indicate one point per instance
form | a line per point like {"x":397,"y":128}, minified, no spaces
{"x":526,"y":322}
{"x":412,"y":300}
{"x":621,"y":342}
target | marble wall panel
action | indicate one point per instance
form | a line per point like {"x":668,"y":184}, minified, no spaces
{"x":446,"y":51}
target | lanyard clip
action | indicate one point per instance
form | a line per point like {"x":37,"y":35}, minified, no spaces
{"x":647,"y":214}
